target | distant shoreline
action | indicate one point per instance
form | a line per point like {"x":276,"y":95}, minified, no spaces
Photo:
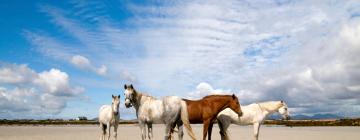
{"x":324,"y":122}
{"x":290,"y":123}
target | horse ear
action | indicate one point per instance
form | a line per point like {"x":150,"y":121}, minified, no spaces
{"x":112,"y":96}
{"x":119,"y":96}
{"x":282,"y":101}
{"x":233,"y":96}
{"x":131,"y":86}
{"x":125,"y":86}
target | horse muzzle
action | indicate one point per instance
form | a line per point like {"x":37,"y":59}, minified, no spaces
{"x":287,"y":117}
{"x":240,"y":114}
{"x":128,"y":105}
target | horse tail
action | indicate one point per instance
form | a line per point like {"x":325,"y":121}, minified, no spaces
{"x":223,"y":131}
{"x":224,"y":123}
{"x":185,"y":120}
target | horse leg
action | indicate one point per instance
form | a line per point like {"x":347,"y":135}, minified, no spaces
{"x":205,"y":128}
{"x":256,"y":130}
{"x":109,"y":128}
{"x":143,"y":130}
{"x":180,"y":130}
{"x":115,"y":130}
{"x":103,"y":131}
{"x":167,"y":131}
{"x":150,"y":132}
{"x":210,"y":130}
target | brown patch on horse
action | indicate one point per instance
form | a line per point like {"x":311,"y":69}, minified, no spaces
{"x":206,"y":110}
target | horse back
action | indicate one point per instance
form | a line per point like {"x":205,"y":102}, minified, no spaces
{"x":105,"y":114}
{"x":151,"y":110}
{"x":195,"y":110}
{"x":251,"y":114}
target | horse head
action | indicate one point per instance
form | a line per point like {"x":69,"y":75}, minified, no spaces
{"x":284,"y":111}
{"x":115,"y":104}
{"x":129,"y":95}
{"x":235,"y":105}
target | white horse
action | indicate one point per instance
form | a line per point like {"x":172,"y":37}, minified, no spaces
{"x":254,"y":114}
{"x":109,"y":116}
{"x":169,"y":110}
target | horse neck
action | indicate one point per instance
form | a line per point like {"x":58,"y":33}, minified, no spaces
{"x":137,"y":100}
{"x":269,"y":107}
{"x":112,"y":112}
{"x":222,"y":106}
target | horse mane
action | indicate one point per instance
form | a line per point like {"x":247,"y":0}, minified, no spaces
{"x":208,"y":96}
{"x":143,"y":94}
{"x":269,"y":103}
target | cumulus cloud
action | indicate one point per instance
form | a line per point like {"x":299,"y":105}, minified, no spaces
{"x":204,"y":89}
{"x":80,"y":61}
{"x":26,"y":92}
{"x":57,"y":83}
{"x":320,"y":81}
{"x":16,"y":74}
{"x":84,"y":63}
{"x":323,"y":80}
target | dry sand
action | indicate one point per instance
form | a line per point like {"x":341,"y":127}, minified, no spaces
{"x":131,"y":132}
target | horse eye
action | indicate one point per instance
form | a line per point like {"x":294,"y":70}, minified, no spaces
{"x":285,"y":108}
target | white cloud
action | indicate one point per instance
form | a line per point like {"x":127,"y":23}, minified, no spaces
{"x":56,"y":82}
{"x":299,"y":51}
{"x":16,"y":100}
{"x":84,"y":63}
{"x":20,"y":74}
{"x":58,"y":50}
{"x":355,"y":88}
{"x":351,"y":34}
{"x":102,"y":70}
{"x":317,"y":78}
{"x":128,"y":76}
{"x":80,"y":61}
{"x":43,"y":93}
{"x":204,"y":89}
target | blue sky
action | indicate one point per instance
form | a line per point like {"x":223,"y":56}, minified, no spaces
{"x":65,"y":59}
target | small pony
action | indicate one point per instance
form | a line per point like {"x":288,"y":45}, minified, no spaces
{"x":206,"y":110}
{"x":253,"y":114}
{"x":170,"y":110}
{"x":109,"y":116}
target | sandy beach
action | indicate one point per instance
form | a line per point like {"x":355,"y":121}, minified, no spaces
{"x":131,"y":132}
